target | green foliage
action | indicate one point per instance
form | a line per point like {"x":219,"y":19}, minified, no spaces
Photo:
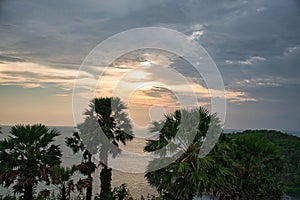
{"x":114,"y":124}
{"x":105,"y":179}
{"x":240,"y":166}
{"x":153,"y":197}
{"x":256,"y":164}
{"x":289,"y":146}
{"x":87,"y":167}
{"x":189,"y":174}
{"x":105,"y":126}
{"x":119,"y":193}
{"x":27,"y":156}
{"x":61,"y":176}
{"x":122,"y":193}
{"x":8,"y":197}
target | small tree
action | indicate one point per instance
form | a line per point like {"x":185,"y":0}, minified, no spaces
{"x":62,"y":177}
{"x":122,"y":193}
{"x":86,"y":167}
{"x":27,"y":157}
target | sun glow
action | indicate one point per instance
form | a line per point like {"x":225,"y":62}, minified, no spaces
{"x":146,"y":63}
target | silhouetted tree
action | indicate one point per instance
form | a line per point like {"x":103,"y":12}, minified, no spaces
{"x":27,"y":156}
{"x":106,"y":124}
{"x":61,"y":176}
{"x":87,"y":167}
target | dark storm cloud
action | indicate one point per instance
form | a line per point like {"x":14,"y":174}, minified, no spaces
{"x":68,"y":30}
{"x":61,"y":30}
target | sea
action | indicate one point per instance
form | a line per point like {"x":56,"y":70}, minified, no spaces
{"x":129,"y":168}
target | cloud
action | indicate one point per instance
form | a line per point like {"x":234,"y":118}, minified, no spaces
{"x":196,"y":35}
{"x":32,"y":75}
{"x":255,"y":44}
{"x":5,"y":58}
{"x":290,"y":51}
{"x":266,"y":81}
{"x":165,"y":74}
{"x":61,"y":95}
{"x":248,"y":61}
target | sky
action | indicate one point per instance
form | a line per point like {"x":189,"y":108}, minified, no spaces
{"x":255,"y":45}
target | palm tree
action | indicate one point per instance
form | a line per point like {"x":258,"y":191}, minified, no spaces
{"x":106,"y":125}
{"x":255,"y":165}
{"x":62,"y":177}
{"x":116,"y":128}
{"x":221,"y":154}
{"x":86,"y":167}
{"x":27,"y":157}
{"x":105,"y":180}
{"x":189,"y":174}
{"x":258,"y":168}
{"x":114,"y":124}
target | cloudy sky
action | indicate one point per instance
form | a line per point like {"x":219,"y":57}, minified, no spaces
{"x":255,"y":45}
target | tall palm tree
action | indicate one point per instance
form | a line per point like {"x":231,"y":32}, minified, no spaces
{"x":105,"y":180}
{"x":106,"y":125}
{"x":190,"y":173}
{"x":116,"y":128}
{"x":114,"y":124}
{"x":27,"y":156}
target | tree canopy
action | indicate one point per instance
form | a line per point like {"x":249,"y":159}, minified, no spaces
{"x":238,"y":166}
{"x":27,"y":156}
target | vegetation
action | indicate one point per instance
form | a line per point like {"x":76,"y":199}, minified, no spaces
{"x":122,"y":193}
{"x":27,"y":157}
{"x":105,"y":181}
{"x":190,"y":174}
{"x":239,"y":166}
{"x":105,"y":126}
{"x":62,"y":177}
{"x":289,"y":147}
{"x":119,"y":193}
{"x":86,"y":167}
{"x":254,"y":164}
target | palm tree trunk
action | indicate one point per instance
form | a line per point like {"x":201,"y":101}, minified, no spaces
{"x":28,"y":192}
{"x":63,"y":193}
{"x":89,"y":189}
{"x":105,"y":179}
